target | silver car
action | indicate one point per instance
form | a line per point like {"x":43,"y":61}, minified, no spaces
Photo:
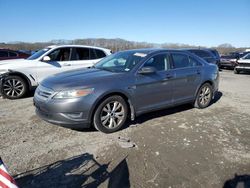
{"x":125,"y":85}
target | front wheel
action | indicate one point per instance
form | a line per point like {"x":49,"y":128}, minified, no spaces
{"x":204,"y":96}
{"x":111,"y":114}
{"x":14,"y":87}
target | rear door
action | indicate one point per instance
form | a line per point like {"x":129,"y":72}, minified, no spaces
{"x":86,"y":57}
{"x":154,"y":90}
{"x":187,"y":76}
{"x":81,"y":58}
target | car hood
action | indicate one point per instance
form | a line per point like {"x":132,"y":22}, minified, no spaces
{"x":14,"y":63}
{"x":79,"y":78}
{"x":244,"y":61}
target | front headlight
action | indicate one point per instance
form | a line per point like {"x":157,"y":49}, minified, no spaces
{"x":76,"y":93}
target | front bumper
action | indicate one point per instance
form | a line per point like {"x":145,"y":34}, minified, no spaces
{"x":242,"y":68}
{"x":71,"y":113}
{"x":2,"y":77}
{"x":227,"y":64}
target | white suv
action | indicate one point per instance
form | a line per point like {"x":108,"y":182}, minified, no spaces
{"x":17,"y":77}
{"x":243,"y":64}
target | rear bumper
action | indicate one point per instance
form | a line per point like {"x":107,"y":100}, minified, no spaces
{"x":2,"y":77}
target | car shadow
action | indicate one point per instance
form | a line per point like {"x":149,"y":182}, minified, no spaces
{"x":169,"y":111}
{"x":242,"y":181}
{"x":216,"y":98}
{"x":78,"y":171}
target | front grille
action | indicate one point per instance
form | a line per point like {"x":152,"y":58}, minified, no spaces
{"x":244,"y":64}
{"x":43,"y":92}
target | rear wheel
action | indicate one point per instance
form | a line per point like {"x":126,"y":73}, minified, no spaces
{"x":14,"y":87}
{"x":204,"y":96}
{"x":111,"y":114}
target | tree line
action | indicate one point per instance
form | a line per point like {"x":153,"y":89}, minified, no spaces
{"x":113,"y":44}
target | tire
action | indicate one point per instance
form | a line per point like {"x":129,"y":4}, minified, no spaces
{"x":204,"y":96}
{"x":111,"y":114}
{"x":236,"y":71}
{"x":14,"y":87}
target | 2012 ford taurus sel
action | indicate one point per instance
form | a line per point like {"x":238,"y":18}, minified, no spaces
{"x":126,"y":84}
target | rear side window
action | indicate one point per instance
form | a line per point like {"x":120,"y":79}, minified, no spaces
{"x":180,"y":60}
{"x":201,"y":53}
{"x":159,"y":62}
{"x":82,"y":53}
{"x":12,"y":54}
{"x":96,"y":54}
{"x":3,"y":54}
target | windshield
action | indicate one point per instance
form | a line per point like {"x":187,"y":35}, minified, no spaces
{"x":246,"y":56}
{"x":39,"y":53}
{"x":121,"y":61}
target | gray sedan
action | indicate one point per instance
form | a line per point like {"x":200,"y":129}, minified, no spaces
{"x":125,"y":85}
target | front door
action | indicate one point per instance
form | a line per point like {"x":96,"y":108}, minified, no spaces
{"x":60,"y":60}
{"x":154,"y":90}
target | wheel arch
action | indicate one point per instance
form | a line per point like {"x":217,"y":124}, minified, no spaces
{"x":23,"y":76}
{"x":204,"y":82}
{"x":124,"y":95}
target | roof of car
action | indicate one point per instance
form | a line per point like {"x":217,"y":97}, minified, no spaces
{"x":202,"y":49}
{"x":75,"y":45}
{"x":152,"y":50}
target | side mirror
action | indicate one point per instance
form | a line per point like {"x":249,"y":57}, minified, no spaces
{"x":46,"y":58}
{"x":147,"y":70}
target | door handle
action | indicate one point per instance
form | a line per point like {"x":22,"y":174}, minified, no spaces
{"x":66,"y":64}
{"x":168,"y":76}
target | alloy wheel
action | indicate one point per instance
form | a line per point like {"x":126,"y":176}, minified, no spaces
{"x":205,"y":95}
{"x":13,"y":87}
{"x":112,"y":114}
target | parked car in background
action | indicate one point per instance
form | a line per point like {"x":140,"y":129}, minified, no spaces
{"x":243,"y":64}
{"x":205,"y":54}
{"x":6,"y":54}
{"x":230,"y":61}
{"x":17,"y":77}
{"x":126,"y":84}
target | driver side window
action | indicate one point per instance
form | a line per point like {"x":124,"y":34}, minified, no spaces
{"x":159,"y":62}
{"x":61,"y":54}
